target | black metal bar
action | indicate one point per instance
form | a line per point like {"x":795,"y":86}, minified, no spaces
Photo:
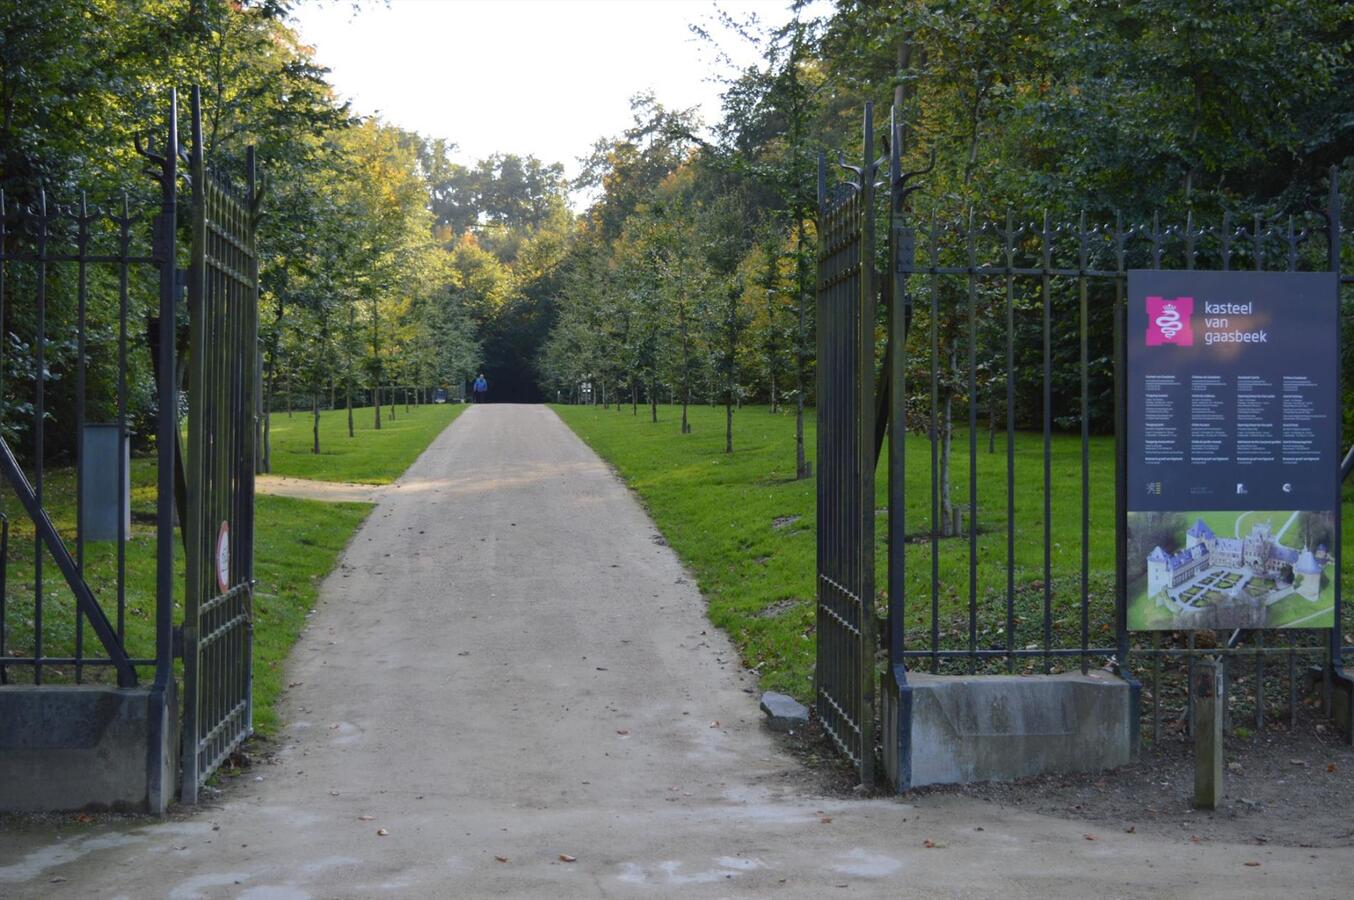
{"x":87,"y":661}
{"x":82,"y":301}
{"x":865,"y":379}
{"x":1120,"y":450}
{"x":4,"y":550}
{"x":972,"y":450}
{"x":39,"y":425}
{"x":935,"y":456}
{"x":123,"y":476}
{"x":1334,"y":229}
{"x":167,"y":404}
{"x":1010,"y":445}
{"x":1084,"y":327}
{"x":902,"y":250}
{"x":1109,"y":653}
{"x":1046,"y":249}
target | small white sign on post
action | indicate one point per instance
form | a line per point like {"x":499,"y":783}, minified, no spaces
{"x":223,"y":557}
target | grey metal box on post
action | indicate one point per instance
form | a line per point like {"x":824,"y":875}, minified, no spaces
{"x":99,"y":488}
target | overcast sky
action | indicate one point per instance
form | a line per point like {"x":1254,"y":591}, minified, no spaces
{"x":542,"y":77}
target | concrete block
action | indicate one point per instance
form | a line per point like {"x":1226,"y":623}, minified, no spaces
{"x":1002,"y":727}
{"x":70,"y":747}
{"x":784,"y":713}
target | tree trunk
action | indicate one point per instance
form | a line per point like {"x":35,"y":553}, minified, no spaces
{"x":634,"y":398}
{"x":686,"y":402}
{"x":376,"y":395}
{"x":315,"y":422}
{"x":728,"y":424}
{"x":350,"y":408}
{"x":653,"y":402}
{"x":391,"y":396}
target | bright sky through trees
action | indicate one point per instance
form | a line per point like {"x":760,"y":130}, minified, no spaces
{"x":523,"y":76}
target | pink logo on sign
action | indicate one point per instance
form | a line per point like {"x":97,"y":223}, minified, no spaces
{"x":1168,"y":321}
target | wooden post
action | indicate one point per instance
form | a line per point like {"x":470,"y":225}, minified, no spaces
{"x":1208,"y":714}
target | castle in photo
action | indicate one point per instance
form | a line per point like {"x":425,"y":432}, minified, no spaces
{"x":1258,"y":555}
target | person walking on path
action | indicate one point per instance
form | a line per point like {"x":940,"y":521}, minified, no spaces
{"x":481,"y":388}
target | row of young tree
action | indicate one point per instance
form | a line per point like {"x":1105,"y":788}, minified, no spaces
{"x":383,"y":261}
{"x":692,"y":275}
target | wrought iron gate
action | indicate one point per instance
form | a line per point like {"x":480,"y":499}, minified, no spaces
{"x":991,"y":570}
{"x":219,"y":525}
{"x":844,"y":674}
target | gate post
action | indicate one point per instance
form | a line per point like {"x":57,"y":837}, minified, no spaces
{"x":895,"y":694}
{"x":164,"y":707}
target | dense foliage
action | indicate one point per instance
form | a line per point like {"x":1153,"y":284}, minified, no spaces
{"x":694,"y":270}
{"x":690,"y":275}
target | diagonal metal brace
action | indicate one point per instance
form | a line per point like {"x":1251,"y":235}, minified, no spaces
{"x":84,"y":597}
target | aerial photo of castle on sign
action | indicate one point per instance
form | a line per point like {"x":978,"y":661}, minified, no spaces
{"x":1233,"y":447}
{"x":1256,"y":569}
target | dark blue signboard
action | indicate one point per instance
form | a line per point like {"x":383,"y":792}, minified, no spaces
{"x":1233,"y":449}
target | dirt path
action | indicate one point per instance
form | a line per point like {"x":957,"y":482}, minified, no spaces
{"x":536,"y":678}
{"x":332,"y":491}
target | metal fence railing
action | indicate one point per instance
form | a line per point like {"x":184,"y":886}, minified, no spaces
{"x":1003,"y":393}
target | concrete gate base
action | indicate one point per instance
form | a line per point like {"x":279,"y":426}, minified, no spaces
{"x":955,"y":729}
{"x":67,"y":748}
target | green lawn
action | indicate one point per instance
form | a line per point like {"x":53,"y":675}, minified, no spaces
{"x":731,"y":520}
{"x":370,"y":456}
{"x":296,"y":544}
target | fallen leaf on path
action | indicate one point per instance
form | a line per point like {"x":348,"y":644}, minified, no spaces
{"x":1132,"y":829}
{"x":1194,"y":839}
{"x":382,"y":832}
{"x":929,"y":844}
{"x":1090,"y":837}
{"x":501,"y":858}
{"x":365,"y":818}
{"x":826,"y":820}
{"x":564,"y":857}
{"x":714,"y":724}
{"x":1330,"y":767}
{"x":622,"y":731}
{"x":1252,"y":862}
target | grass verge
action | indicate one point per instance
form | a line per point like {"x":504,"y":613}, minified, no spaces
{"x":748,"y":532}
{"x":369,"y":456}
{"x":296,"y":544}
